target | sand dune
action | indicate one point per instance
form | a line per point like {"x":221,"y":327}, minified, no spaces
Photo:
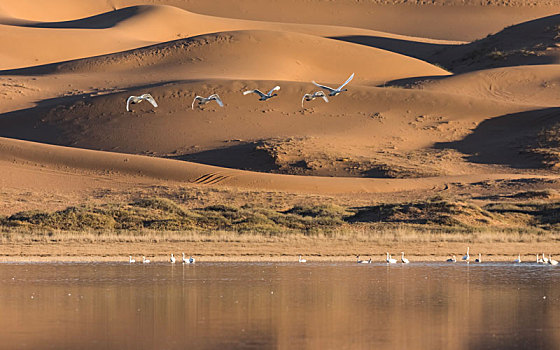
{"x":254,"y":55}
{"x":424,"y":109}
{"x":534,"y":42}
{"x":134,"y":27}
{"x":95,"y":163}
{"x":444,"y":19}
{"x":535,"y":85}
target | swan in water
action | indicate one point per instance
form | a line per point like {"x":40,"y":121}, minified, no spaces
{"x":466,"y":257}
{"x":263,"y":96}
{"x":301,"y":260}
{"x":479,"y":259}
{"x":403,"y":259}
{"x":311,"y":97}
{"x":130,"y":260}
{"x":138,"y":99}
{"x":204,"y":100}
{"x":552,"y":261}
{"x":544,"y":259}
{"x":338,"y":90}
{"x":390,"y":260}
{"x":144,"y":260}
{"x":452,"y":259}
{"x":190,"y":260}
{"x":518,"y":260}
{"x":362,"y":261}
{"x":539,"y":261}
{"x":172,"y":259}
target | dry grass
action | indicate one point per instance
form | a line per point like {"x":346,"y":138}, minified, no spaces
{"x":164,"y":220}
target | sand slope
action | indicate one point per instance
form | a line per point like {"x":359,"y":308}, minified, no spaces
{"x":424,"y":109}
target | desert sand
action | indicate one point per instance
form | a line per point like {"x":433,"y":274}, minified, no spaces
{"x":447,"y":95}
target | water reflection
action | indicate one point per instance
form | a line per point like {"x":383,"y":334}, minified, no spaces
{"x":313,"y":306}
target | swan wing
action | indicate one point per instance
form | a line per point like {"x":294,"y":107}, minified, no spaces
{"x":303,"y":98}
{"x":325,"y":98}
{"x":218,"y":99}
{"x":150,"y":99}
{"x":199,"y":98}
{"x":276,"y":88}
{"x":346,"y":82}
{"x":256,"y":91}
{"x":128,"y":101}
{"x":323,"y":86}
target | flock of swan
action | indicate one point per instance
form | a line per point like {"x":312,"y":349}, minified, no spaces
{"x":388,"y":259}
{"x":172,"y":260}
{"x":262,"y":96}
{"x":466,"y":258}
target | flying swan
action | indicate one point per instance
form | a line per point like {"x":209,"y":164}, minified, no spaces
{"x":311,"y":97}
{"x":138,"y":99}
{"x":338,"y":90}
{"x":204,"y":100}
{"x":263,"y":96}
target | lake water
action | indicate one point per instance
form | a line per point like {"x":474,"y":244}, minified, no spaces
{"x":279,"y":306}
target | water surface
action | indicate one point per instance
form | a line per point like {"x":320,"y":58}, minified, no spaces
{"x":284,"y":306}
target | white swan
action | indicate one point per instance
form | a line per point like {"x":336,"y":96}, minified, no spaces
{"x":518,"y":260}
{"x":362,"y":261}
{"x":338,"y":90}
{"x":130,"y":260}
{"x":138,"y":99}
{"x":479,"y":259}
{"x":172,"y":259}
{"x":263,"y":96}
{"x":403,"y":259}
{"x":311,"y":97}
{"x":390,"y":260}
{"x":144,"y":260}
{"x":204,"y":100}
{"x":552,"y":261}
{"x":466,"y":257}
{"x":539,"y":261}
{"x":185,"y":260}
{"x":544,"y":259}
{"x":301,"y":260}
{"x":452,"y":259}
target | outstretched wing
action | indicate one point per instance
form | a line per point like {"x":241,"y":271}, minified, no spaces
{"x":195,"y":99}
{"x":217,"y":98}
{"x":130,"y":99}
{"x":150,"y":99}
{"x":325,"y":98}
{"x":323,"y":86}
{"x":303,"y":99}
{"x":255,"y":92}
{"x":276,"y":88}
{"x":346,"y":82}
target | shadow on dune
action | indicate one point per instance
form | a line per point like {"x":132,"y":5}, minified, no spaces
{"x":419,"y":50}
{"x":517,"y":140}
{"x":533,"y":42}
{"x":43,"y":124}
{"x":102,"y":21}
{"x":244,"y":156}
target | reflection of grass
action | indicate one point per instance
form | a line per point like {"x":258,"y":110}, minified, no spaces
{"x":155,"y":219}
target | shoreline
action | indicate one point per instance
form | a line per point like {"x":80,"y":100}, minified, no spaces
{"x":282,"y":251}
